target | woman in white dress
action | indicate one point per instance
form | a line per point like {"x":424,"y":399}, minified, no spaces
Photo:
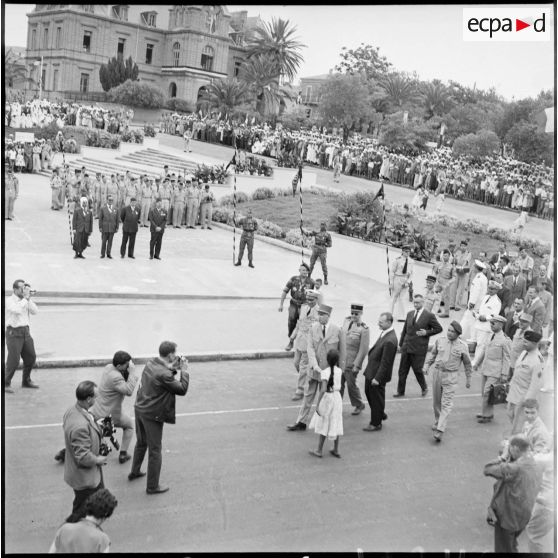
{"x":328,"y":418}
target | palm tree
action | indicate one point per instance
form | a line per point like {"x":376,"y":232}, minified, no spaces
{"x":259,"y":75}
{"x":277,"y":43}
{"x":15,"y":70}
{"x":436,"y":98}
{"x":398,"y":89}
{"x":227,"y":94}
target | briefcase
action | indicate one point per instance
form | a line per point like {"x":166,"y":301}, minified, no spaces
{"x":499,"y":392}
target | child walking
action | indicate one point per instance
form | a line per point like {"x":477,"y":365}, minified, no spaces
{"x":328,"y":418}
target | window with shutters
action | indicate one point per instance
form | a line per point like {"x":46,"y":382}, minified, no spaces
{"x":84,"y":83}
{"x":87,"y":41}
{"x":176,"y":54}
{"x":149,"y":54}
{"x":207,"y":58}
{"x":120,"y":48}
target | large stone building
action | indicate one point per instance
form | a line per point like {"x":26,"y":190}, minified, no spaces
{"x":180,"y":48}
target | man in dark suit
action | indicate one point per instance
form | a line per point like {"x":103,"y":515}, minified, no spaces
{"x":82,"y":225}
{"x":130,"y":217}
{"x":516,"y":282}
{"x":158,"y":221}
{"x":535,"y":307}
{"x":512,"y":318}
{"x":420,"y":324}
{"x":378,"y":371}
{"x":108,"y":225}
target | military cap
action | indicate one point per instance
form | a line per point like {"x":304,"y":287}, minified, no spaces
{"x":457,"y":327}
{"x":406,"y":247}
{"x":525,"y":317}
{"x":498,"y":318}
{"x":324,"y":309}
{"x":478,"y":263}
{"x":357,"y":306}
{"x":533,"y":336}
{"x":431,"y":278}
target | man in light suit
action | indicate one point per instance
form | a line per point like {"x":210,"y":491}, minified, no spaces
{"x":322,"y":337}
{"x":401,"y":274}
{"x":488,"y":309}
{"x":108,"y":225}
{"x":420,"y":324}
{"x":516,"y":283}
{"x":477,"y":291}
{"x":378,"y":371}
{"x":82,"y":436}
{"x":535,"y":307}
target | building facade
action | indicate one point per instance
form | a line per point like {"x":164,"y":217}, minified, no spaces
{"x":179,"y":48}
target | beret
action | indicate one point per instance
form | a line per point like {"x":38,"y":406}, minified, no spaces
{"x":532,"y":336}
{"x":457,"y":327}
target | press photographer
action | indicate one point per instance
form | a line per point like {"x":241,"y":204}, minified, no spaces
{"x":163,"y":378}
{"x":19,"y":342}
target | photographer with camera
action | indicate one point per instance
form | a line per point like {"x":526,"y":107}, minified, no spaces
{"x":19,"y":342}
{"x":82,"y":437}
{"x":162,"y":380}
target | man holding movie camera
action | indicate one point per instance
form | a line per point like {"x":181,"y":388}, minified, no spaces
{"x":19,"y":342}
{"x":163,"y":378}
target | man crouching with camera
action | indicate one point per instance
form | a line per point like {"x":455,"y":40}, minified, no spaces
{"x":162,"y":380}
{"x":118,"y":381}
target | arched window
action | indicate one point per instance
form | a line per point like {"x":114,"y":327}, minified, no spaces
{"x":176,"y":54}
{"x":172,"y":90}
{"x":207,"y":58}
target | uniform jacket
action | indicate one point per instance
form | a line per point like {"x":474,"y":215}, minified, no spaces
{"x":130,"y":219}
{"x":307,"y":316}
{"x":82,"y":222}
{"x":494,"y":358}
{"x":318,"y":347}
{"x":478,"y":289}
{"x":538,"y":311}
{"x":112,"y":390}
{"x":489,"y":307}
{"x":381,"y":358}
{"x":519,"y":289}
{"x":158,"y":390}
{"x":517,"y":344}
{"x":410,"y":341}
{"x":448,"y":357}
{"x":357,"y":338}
{"x":157,"y":218}
{"x":82,"y":438}
{"x":108,"y":219}
{"x":527,"y":377}
{"x":515,"y":492}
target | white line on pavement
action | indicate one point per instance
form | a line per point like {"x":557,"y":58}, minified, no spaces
{"x":230,"y":411}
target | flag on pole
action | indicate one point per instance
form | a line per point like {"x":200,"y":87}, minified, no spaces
{"x":545,"y":120}
{"x":232,"y":161}
{"x":379,"y":193}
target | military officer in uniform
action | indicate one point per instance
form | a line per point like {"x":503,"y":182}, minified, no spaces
{"x":357,"y":336}
{"x":206,"y":207}
{"x":490,"y":306}
{"x":147,"y":195}
{"x":400,"y":275}
{"x":432,"y":297}
{"x":249,"y":227}
{"x":179,"y":203}
{"x":165,"y":194}
{"x":527,"y":379}
{"x":308,"y":315}
{"x":447,"y":355}
{"x":445,"y":276}
{"x":322,"y":241}
{"x":131,"y":190}
{"x":493,"y":362}
{"x":462,"y":261}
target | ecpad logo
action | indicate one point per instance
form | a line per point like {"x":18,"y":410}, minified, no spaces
{"x":507,"y":24}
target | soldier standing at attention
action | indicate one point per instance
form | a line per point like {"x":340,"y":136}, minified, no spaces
{"x":322,"y":241}
{"x":357,"y":336}
{"x":165,"y":194}
{"x":147,"y":194}
{"x":249,"y":226}
{"x":431,"y":296}
{"x":447,"y":356}
{"x":445,"y":276}
{"x":206,"y":207}
{"x":297,"y":285}
{"x":179,"y":204}
{"x":400,"y":276}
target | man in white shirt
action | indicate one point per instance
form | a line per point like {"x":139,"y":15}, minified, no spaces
{"x":18,"y":339}
{"x":477,"y":291}
{"x":488,"y":309}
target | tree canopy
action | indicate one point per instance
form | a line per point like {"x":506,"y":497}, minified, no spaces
{"x":116,"y":71}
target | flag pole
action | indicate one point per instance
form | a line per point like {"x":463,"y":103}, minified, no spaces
{"x":299,"y":177}
{"x":381,"y":194}
{"x":233,"y":161}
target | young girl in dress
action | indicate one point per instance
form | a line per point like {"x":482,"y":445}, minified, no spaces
{"x":328,"y":418}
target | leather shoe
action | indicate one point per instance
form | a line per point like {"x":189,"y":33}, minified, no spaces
{"x":150,"y":257}
{"x":357,"y":410}
{"x":157,"y":258}
{"x":438,"y":435}
{"x":133,"y":476}
{"x":109,"y":257}
{"x":8,"y":389}
{"x":251,"y":265}
{"x":159,"y":490}
{"x":121,"y":255}
{"x":479,"y":415}
{"x":30,"y":384}
{"x":133,"y":257}
{"x":372,"y":428}
{"x":385,"y":417}
{"x":398,"y":395}
{"x":237,"y":264}
{"x":296,"y":426}
{"x":60,"y":456}
{"x":424,"y":392}
{"x":297,"y":397}
{"x":482,"y":420}
{"x":289,"y":347}
{"x":123,"y":457}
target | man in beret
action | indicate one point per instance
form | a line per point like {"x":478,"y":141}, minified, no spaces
{"x":447,"y":355}
{"x":249,"y":227}
{"x":493,"y":360}
{"x":322,"y":337}
{"x":527,"y":379}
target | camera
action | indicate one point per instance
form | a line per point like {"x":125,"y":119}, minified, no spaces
{"x":107,"y":431}
{"x":31,"y":291}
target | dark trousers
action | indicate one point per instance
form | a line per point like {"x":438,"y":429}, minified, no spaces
{"x":149,"y":436}
{"x":106,"y":243}
{"x":505,"y":541}
{"x":78,"y":507}
{"x":321,"y":253}
{"x":376,"y":395}
{"x":20,"y":344}
{"x":294,"y":311}
{"x":249,"y":242}
{"x":410,"y":360}
{"x":131,"y":237}
{"x":155,"y":243}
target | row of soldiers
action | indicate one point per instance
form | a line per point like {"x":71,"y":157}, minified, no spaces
{"x":185,"y":200}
